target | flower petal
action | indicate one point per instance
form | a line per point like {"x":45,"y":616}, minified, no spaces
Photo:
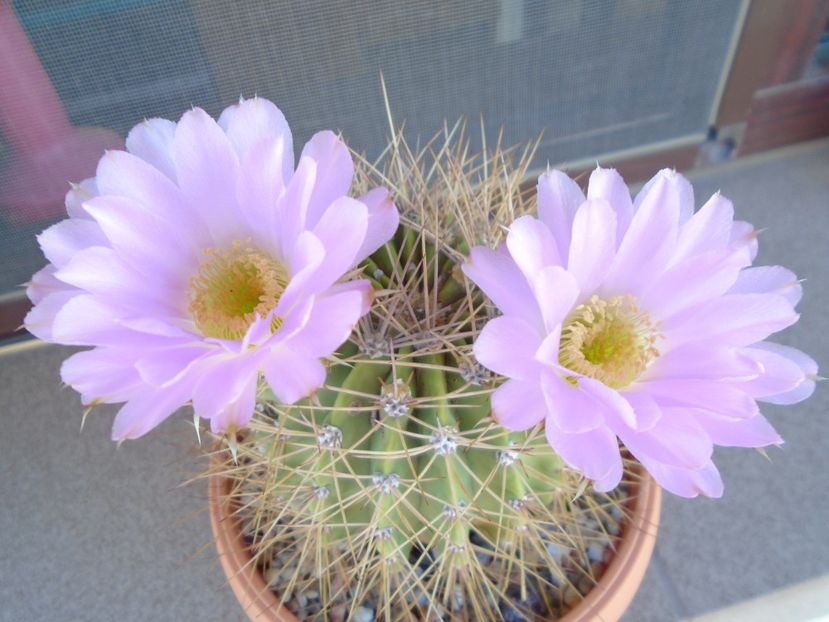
{"x":674,"y":440}
{"x":102,"y":375}
{"x":383,"y":220}
{"x":686,"y":482}
{"x":594,"y":453}
{"x":208,"y":171}
{"x":557,"y":292}
{"x":709,"y":229}
{"x":649,"y":240}
{"x":341,"y":229}
{"x":808,"y":367}
{"x":334,"y":315}
{"x":497,"y":274}
{"x":753,"y":432}
{"x":532,"y":246}
{"x":734,"y":319}
{"x":571,"y":409}
{"x":518,"y":405}
{"x":152,"y":141}
{"x":334,"y":172}
{"x":292,"y":376}
{"x":558,"y":198}
{"x":147,"y":409}
{"x":607,"y":184}
{"x":507,"y":346}
{"x":252,"y":121}
{"x":716,"y":396}
{"x":62,"y":240}
{"x":769,"y":280}
{"x":593,"y":244}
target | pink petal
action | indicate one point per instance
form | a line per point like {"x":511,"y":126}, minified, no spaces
{"x":222,"y":380}
{"x":703,"y":361}
{"x":143,"y":241}
{"x":43,"y":283}
{"x":716,"y":396}
{"x":779,"y":374}
{"x":709,"y":229}
{"x":102,"y":374}
{"x":532,"y":246}
{"x":685,"y":482}
{"x":239,"y":412}
{"x":84,"y":320}
{"x":744,"y":234}
{"x":615,"y":404}
{"x":497,"y":274}
{"x":162,"y":367}
{"x":208,"y":171}
{"x":649,"y":240}
{"x":680,"y":188}
{"x":259,"y":192}
{"x":507,"y":346}
{"x":594,"y":453}
{"x":808,"y":368}
{"x":79,"y":193}
{"x":252,"y":121}
{"x":341,"y":229}
{"x":674,"y":440}
{"x":41,"y":318}
{"x":558,"y":198}
{"x":148,"y":409}
{"x":557,"y":292}
{"x":693,"y":281}
{"x":518,"y":405}
{"x":335,"y":171}
{"x":570,"y":409}
{"x":753,"y":432}
{"x":334,"y":315}
{"x":645,"y":409}
{"x":383,"y":220}
{"x":593,"y":244}
{"x":607,"y":184}
{"x":126,"y":175}
{"x":769,"y":280}
{"x":292,"y":376}
{"x":293,"y":206}
{"x":734,"y":319}
{"x":99,"y":270}
{"x":63,"y":240}
{"x":306,"y":257}
{"x":152,"y":141}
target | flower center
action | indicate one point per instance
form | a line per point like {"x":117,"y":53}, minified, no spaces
{"x":232,"y":287}
{"x":610,"y":340}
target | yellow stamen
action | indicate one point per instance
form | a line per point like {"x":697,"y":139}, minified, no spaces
{"x":234,"y":285}
{"x":610,"y":340}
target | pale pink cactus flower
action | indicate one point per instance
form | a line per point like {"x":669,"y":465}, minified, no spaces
{"x":200,"y":260}
{"x":640,"y":321}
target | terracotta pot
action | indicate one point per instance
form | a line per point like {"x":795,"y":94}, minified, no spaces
{"x":607,"y":601}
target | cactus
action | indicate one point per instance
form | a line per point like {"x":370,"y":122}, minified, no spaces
{"x":393,"y":490}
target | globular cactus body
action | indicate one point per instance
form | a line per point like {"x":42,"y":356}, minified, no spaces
{"x":393,"y":488}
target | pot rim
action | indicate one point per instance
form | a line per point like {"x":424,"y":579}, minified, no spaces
{"x":607,"y":601}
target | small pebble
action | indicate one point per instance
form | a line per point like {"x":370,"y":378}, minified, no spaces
{"x":595,"y":552}
{"x":363,"y":614}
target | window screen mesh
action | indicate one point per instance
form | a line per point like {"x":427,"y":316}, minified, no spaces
{"x":596,"y":76}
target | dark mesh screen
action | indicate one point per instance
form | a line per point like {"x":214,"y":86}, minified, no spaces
{"x":596,"y":76}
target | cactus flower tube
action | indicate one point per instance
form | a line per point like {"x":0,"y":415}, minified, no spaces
{"x":200,"y":260}
{"x":642,"y":321}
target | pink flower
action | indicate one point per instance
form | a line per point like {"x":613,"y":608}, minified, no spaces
{"x":199,"y":258}
{"x":638,"y":320}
